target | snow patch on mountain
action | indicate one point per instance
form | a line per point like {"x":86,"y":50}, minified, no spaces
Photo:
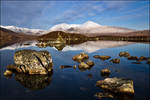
{"x":24,"y":30}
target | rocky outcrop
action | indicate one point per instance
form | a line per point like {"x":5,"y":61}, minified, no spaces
{"x":34,"y":82}
{"x":32,"y":62}
{"x":80,"y":57}
{"x":117,"y":85}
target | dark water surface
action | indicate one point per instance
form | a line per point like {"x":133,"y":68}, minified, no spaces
{"x":74,"y":84}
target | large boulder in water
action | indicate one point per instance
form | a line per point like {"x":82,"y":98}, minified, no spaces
{"x":32,"y":62}
{"x":117,"y":85}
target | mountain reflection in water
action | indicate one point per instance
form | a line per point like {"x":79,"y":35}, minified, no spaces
{"x":89,"y":46}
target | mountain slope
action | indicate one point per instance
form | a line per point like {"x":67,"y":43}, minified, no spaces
{"x":24,"y":30}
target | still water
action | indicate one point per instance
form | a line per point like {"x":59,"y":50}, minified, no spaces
{"x":74,"y":84}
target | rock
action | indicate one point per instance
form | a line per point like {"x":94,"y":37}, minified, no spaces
{"x":142,"y":58}
{"x":80,"y":57}
{"x":83,"y":65}
{"x":96,"y":56}
{"x":8,"y":73}
{"x":148,"y":61}
{"x":116,"y":60}
{"x":65,"y":66}
{"x":75,"y":66}
{"x":102,"y":57}
{"x":90,"y":63}
{"x":117,"y":85}
{"x":132,"y":58}
{"x":34,"y":82}
{"x":105,"y":72}
{"x":124,"y":54}
{"x":104,"y":95}
{"x":32,"y":62}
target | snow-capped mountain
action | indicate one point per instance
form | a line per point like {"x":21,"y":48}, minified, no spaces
{"x":88,"y":27}
{"x":24,"y":30}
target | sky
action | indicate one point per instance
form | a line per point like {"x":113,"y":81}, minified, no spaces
{"x":43,"y":14}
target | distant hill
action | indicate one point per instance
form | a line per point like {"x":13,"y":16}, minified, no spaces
{"x":8,"y":37}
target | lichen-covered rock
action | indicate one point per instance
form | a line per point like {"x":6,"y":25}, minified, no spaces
{"x":34,"y":82}
{"x":105,"y":72}
{"x":90,"y":63}
{"x":124,"y":54}
{"x":104,"y":95}
{"x":132,"y":58}
{"x":80,"y":57}
{"x":102,"y":57}
{"x":116,"y":85}
{"x":116,"y":60}
{"x":32,"y":62}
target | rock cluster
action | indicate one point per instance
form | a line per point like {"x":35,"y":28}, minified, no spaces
{"x":81,"y":58}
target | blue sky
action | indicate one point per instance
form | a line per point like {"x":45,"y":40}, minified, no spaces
{"x":44,"y":14}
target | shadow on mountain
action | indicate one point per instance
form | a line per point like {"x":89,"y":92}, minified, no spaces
{"x":34,"y":82}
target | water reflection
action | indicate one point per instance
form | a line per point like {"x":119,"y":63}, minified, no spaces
{"x":34,"y":82}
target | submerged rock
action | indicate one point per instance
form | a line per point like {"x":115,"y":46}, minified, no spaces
{"x":132,"y":58}
{"x":105,"y":72}
{"x":102,"y":57}
{"x":124,"y":54}
{"x":34,"y":82}
{"x":116,"y":60}
{"x":116,"y":85}
{"x":32,"y":62}
{"x":104,"y":95}
{"x":80,"y":57}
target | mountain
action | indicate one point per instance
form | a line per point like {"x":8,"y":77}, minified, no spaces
{"x":88,"y":28}
{"x":24,"y":30}
{"x":8,"y":37}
